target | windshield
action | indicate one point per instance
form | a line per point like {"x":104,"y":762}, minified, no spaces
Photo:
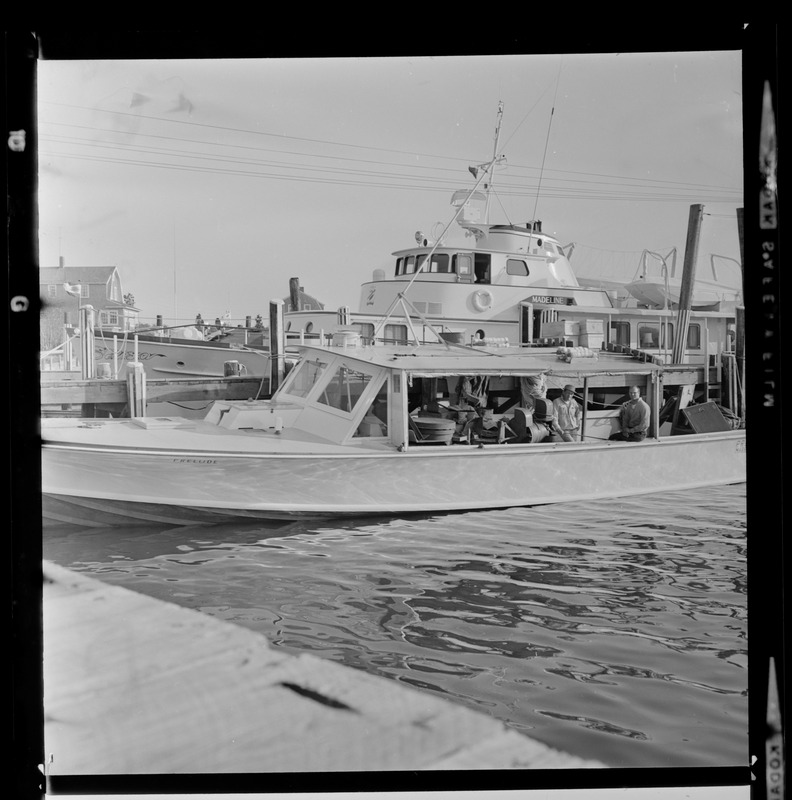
{"x":303,"y":378}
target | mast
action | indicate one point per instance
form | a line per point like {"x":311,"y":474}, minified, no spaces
{"x":494,"y":158}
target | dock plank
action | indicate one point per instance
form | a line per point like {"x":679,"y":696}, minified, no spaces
{"x":134,"y":685}
{"x":76,"y":392}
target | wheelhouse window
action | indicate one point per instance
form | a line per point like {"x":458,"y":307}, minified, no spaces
{"x":655,"y":336}
{"x":694,"y":337}
{"x":366,"y":330}
{"x":405,"y":265}
{"x":516,"y":266}
{"x":439,"y":263}
{"x":648,"y":336}
{"x":395,"y":334}
{"x":304,"y":377}
{"x":345,"y":388}
{"x":620,"y":333}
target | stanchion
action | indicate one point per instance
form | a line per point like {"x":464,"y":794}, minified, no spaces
{"x":136,"y":389}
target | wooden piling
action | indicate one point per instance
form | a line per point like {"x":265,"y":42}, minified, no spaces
{"x":136,"y":389}
{"x":294,"y":294}
{"x":277,"y":344}
{"x":688,"y":279}
{"x":87,"y":353}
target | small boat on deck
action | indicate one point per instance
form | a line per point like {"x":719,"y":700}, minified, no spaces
{"x":356,"y":429}
{"x":662,"y":291}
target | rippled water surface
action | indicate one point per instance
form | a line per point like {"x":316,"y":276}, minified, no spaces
{"x":613,"y":630}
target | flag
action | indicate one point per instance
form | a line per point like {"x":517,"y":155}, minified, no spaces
{"x":73,"y":289}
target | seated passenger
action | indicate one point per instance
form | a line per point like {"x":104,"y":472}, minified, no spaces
{"x":633,"y":418}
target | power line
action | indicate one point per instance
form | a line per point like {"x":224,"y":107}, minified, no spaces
{"x":643,"y":180}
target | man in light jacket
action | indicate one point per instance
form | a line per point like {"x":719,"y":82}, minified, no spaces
{"x":568,"y":414}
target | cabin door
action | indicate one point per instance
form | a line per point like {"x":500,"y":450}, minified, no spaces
{"x":528,"y":323}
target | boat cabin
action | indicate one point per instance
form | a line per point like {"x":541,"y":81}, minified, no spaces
{"x":398,"y":397}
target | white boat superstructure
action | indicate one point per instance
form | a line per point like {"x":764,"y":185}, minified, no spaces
{"x":515,"y":284}
{"x":358,"y":429}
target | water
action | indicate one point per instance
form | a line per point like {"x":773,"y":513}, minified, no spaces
{"x":614,"y":630}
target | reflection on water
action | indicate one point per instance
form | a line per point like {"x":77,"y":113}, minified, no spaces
{"x":614,"y":630}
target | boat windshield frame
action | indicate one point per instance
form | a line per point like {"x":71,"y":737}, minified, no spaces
{"x":342,"y":391}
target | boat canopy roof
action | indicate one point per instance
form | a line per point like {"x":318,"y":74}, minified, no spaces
{"x":439,"y":359}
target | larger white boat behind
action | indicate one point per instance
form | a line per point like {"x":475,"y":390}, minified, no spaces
{"x":514,"y":281}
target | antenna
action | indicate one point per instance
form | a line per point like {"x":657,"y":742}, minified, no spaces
{"x":494,"y":159}
{"x":547,"y":140}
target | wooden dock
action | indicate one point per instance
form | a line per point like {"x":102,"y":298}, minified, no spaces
{"x":59,"y":393}
{"x":136,"y":686}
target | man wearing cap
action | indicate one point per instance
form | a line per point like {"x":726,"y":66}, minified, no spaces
{"x":568,"y":414}
{"x":634,"y":418}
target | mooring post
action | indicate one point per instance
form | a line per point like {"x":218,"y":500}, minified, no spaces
{"x":294,"y":294}
{"x":277,"y":345}
{"x":87,"y":342}
{"x":688,"y":279}
{"x":136,"y":389}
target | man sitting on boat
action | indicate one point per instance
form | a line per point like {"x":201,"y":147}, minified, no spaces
{"x":568,"y":414}
{"x":633,"y":418}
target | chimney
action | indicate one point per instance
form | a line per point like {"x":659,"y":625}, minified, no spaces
{"x":61,"y":262}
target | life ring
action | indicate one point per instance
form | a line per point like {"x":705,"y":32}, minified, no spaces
{"x":482,"y":299}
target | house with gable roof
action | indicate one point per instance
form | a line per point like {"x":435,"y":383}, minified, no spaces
{"x":64,"y":290}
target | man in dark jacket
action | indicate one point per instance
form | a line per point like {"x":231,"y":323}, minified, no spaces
{"x":634,"y":419}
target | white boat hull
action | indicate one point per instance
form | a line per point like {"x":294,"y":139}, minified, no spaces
{"x":170,"y":358}
{"x":109,"y":484}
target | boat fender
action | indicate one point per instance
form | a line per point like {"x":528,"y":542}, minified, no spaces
{"x":482,"y":299}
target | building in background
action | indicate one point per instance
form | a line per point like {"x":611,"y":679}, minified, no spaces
{"x":64,"y":290}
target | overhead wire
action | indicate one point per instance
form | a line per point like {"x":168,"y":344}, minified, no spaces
{"x":640,"y":189}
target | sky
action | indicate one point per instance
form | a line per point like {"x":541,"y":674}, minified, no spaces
{"x":211,"y":183}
